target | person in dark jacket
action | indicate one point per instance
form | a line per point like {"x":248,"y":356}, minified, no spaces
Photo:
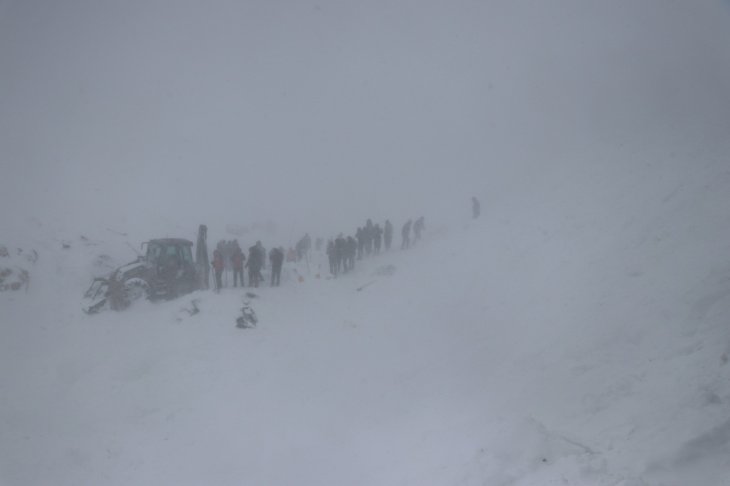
{"x":369,"y":232}
{"x":406,"y":234}
{"x":340,"y":249}
{"x":332,"y":256}
{"x":276,"y":257}
{"x":303,"y":246}
{"x":237,"y":259}
{"x":351,"y":252}
{"x":388,"y":234}
{"x":255,"y":263}
{"x":360,"y":236}
{"x":377,"y":238}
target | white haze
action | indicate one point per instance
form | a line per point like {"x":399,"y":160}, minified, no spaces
{"x":575,"y":334}
{"x":319,"y":115}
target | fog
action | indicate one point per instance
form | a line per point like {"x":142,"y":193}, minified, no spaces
{"x":575,"y":333}
{"x":317,"y":115}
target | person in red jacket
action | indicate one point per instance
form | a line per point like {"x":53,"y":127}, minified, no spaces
{"x":218,"y":268}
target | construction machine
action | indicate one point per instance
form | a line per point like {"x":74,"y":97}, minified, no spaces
{"x":165,"y":270}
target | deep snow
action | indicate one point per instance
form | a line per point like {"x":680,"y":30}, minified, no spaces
{"x":576,"y":334}
{"x":579,"y":341}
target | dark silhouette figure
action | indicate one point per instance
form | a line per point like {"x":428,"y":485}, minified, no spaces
{"x":332,"y":256}
{"x":350,"y":253}
{"x":388,"y":234}
{"x":369,"y":231}
{"x":256,"y":256}
{"x":303,"y":246}
{"x":476,"y":208}
{"x":340,"y":249}
{"x":276,"y":257}
{"x":377,"y":238}
{"x":406,"y":235}
{"x":360,"y":235}
{"x":418,"y":228}
{"x":237,"y":259}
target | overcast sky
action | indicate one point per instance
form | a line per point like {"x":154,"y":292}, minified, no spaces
{"x":318,"y":114}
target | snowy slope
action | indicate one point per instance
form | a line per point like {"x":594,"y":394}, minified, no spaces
{"x":577,"y":337}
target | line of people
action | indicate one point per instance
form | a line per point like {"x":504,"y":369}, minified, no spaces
{"x":418,"y":228}
{"x":229,"y":255}
{"x":341,"y":251}
{"x":368,"y":240}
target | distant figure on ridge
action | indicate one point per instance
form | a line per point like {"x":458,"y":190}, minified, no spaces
{"x":475,"y":207}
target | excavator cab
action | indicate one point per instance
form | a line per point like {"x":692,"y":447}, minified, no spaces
{"x":169,"y":270}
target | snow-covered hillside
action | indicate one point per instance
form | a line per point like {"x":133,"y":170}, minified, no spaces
{"x":579,"y":337}
{"x":577,"y":334}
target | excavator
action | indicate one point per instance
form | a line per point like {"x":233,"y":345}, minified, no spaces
{"x":165,"y":270}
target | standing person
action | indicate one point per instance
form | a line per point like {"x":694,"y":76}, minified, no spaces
{"x":369,"y":230}
{"x":360,"y":235}
{"x":418,"y":227}
{"x":351,"y":252}
{"x":218,"y":268}
{"x":475,"y":207}
{"x":303,"y":246}
{"x":255,"y":262}
{"x":332,"y":256}
{"x":227,"y":259}
{"x":406,"y":234}
{"x":300,"y":249}
{"x":388,"y":234}
{"x":276,"y":257}
{"x":262,"y":259}
{"x":237,"y":259}
{"x":339,"y":253}
{"x":377,"y":238}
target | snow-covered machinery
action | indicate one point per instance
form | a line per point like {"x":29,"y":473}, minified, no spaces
{"x":165,"y":271}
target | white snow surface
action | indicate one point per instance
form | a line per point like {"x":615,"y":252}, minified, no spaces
{"x":579,"y":340}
